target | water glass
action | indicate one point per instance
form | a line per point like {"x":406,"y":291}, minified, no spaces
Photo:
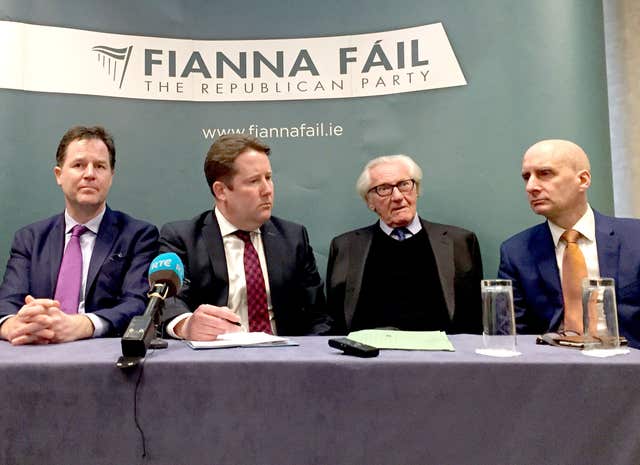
{"x":498,"y":321}
{"x":600,"y":314}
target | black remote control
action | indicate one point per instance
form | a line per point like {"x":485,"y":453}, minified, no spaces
{"x":350,"y":347}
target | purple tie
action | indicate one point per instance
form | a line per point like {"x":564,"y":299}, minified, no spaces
{"x":256,"y":291}
{"x":70,"y":274}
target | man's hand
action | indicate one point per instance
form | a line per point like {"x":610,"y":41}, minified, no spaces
{"x":40,"y":321}
{"x":31,"y":324}
{"x":207,"y":323}
{"x":68,"y":328}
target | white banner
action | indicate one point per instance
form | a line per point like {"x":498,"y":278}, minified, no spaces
{"x":52,"y":59}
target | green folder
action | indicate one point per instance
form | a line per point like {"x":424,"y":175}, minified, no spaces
{"x":403,"y":340}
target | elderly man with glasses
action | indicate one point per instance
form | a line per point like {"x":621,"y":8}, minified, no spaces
{"x":403,"y":272}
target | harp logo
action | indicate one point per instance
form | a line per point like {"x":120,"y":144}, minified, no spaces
{"x":114,"y":61}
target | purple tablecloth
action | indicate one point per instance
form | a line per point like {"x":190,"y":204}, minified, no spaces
{"x":69,"y":404}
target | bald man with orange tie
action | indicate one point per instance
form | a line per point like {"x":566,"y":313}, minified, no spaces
{"x":547,"y":262}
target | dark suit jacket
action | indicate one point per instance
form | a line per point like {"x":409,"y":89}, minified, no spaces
{"x":117,"y":280}
{"x":528,"y":259}
{"x":457,"y":255}
{"x":297,"y":295}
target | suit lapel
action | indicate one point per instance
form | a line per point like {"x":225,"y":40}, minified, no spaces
{"x":358,"y":253}
{"x":608,"y":247}
{"x":275,"y":255}
{"x":215,"y":248}
{"x":442,"y":247}
{"x":107,"y":234}
{"x":55,"y":246}
{"x":543,"y":251}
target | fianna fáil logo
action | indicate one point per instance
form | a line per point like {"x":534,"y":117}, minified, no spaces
{"x":114,"y":61}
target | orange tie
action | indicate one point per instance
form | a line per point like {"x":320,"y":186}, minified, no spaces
{"x":574,"y":270}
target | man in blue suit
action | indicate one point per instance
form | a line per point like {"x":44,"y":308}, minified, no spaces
{"x":103,"y":255}
{"x":557,"y":176}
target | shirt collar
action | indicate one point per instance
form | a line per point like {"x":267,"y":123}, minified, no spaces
{"x":226,"y":228}
{"x":92,"y":225}
{"x":414,"y":227}
{"x":586,"y":226}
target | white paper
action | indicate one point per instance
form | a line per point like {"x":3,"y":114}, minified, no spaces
{"x":239,"y":339}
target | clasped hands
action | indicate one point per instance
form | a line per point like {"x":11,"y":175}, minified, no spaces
{"x":208,"y":322}
{"x":40,"y":321}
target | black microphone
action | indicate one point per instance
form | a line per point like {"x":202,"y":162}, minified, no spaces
{"x":166,"y":274}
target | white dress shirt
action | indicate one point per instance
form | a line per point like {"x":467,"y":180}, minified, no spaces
{"x":234,"y":256}
{"x":587,"y":242}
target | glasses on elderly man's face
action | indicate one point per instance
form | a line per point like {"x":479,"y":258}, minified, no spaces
{"x":384,"y":190}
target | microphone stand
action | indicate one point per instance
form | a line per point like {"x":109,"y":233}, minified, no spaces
{"x":142,"y":332}
{"x":159,"y":291}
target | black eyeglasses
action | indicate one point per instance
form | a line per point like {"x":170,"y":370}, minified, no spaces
{"x":384,"y":190}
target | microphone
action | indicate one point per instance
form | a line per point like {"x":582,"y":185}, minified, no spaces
{"x":166,"y":274}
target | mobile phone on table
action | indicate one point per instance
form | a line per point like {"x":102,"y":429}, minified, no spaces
{"x":354,"y":348}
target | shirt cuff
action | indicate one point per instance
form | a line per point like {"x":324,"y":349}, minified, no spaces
{"x":5,"y":318}
{"x":172,"y":324}
{"x":100,"y":325}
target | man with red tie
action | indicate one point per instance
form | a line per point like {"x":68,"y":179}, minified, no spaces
{"x":547,"y":262}
{"x":81,"y":273}
{"x":244,"y":269}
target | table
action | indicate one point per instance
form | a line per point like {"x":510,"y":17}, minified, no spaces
{"x":68,"y":404}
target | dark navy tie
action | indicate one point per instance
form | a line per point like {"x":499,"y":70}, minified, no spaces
{"x":400,"y":233}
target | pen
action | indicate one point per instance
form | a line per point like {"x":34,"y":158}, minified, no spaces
{"x":237,"y":323}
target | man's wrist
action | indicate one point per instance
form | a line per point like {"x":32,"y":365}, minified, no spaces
{"x":84,"y":327}
{"x":89,"y":326}
{"x":100,"y":325}
{"x":178,"y":320}
{"x":4,"y":329}
{"x":177,"y":329}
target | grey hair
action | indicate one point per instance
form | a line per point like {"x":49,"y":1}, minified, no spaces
{"x":363,"y":184}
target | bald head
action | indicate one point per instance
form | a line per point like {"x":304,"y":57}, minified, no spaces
{"x":563,"y":151}
{"x":557,"y":175}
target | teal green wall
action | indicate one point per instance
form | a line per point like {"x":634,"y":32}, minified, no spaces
{"x":535,"y":69}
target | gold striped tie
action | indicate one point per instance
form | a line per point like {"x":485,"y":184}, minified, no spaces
{"x":574,"y":270}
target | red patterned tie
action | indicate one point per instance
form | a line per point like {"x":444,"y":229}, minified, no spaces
{"x":256,"y":290}
{"x":70,"y":274}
